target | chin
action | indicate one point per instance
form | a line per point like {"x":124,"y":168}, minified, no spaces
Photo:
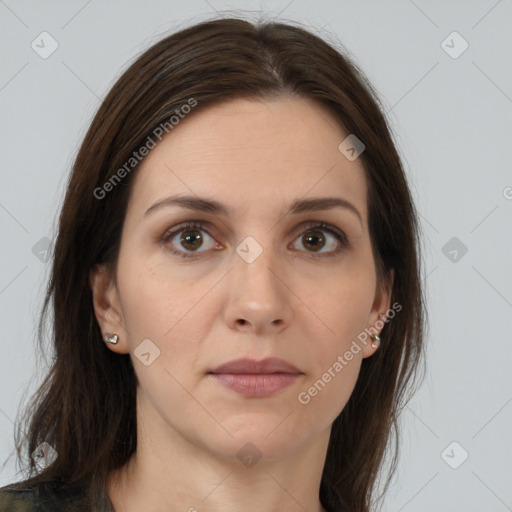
{"x":258,"y":440}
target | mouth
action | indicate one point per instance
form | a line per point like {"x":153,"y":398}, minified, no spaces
{"x":252,"y":366}
{"x":253,"y":378}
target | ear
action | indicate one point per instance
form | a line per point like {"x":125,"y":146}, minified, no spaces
{"x":107,"y":307}
{"x":379,"y":312}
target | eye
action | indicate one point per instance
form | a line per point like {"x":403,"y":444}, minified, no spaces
{"x":314,"y":238}
{"x":189,"y":236}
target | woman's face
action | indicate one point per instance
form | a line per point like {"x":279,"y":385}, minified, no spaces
{"x":251,"y":280}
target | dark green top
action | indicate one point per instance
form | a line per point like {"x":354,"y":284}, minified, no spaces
{"x":50,"y":498}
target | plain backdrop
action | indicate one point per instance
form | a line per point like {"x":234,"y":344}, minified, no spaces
{"x":442,"y":69}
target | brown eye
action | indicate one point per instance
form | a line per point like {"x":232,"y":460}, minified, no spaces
{"x":191,"y":239}
{"x":319,"y":236}
{"x":313,"y":240}
{"x":186,"y":240}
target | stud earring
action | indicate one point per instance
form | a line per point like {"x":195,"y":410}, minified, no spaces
{"x":112,"y":339}
{"x":376,"y":340}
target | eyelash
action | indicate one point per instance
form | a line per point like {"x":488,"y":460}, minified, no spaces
{"x":312,"y":226}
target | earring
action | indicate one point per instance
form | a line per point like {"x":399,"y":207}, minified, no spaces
{"x":111,"y":339}
{"x":376,"y":340}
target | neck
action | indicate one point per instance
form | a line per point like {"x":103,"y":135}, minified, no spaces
{"x":170,"y":472}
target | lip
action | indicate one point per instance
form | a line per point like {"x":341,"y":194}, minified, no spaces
{"x":253,"y":378}
{"x":253,"y":367}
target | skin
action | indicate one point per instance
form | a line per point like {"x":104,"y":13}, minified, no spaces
{"x":257,"y":157}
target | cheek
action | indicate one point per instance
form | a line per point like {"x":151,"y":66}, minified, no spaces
{"x":338,"y":310}
{"x":325,"y":395}
{"x":153,"y":302}
{"x":331,"y":321}
{"x":335,"y":361}
{"x":173,"y":314}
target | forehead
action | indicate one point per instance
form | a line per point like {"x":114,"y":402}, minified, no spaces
{"x":251,"y":154}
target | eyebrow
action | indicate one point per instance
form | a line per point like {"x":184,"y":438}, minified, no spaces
{"x":202,"y":204}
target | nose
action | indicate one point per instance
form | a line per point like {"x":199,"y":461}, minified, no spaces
{"x":259,"y":300}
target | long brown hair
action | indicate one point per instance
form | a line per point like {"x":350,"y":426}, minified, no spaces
{"x":85,"y":407}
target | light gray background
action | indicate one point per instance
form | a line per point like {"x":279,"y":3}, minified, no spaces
{"x":452,"y":119}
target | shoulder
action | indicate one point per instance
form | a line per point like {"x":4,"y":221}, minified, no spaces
{"x":48,"y":497}
{"x":18,"y":498}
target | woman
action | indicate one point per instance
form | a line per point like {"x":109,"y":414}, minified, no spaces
{"x":236,"y":287}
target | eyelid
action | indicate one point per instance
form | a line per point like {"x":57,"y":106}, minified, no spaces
{"x":304,"y":227}
{"x":321,"y":225}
